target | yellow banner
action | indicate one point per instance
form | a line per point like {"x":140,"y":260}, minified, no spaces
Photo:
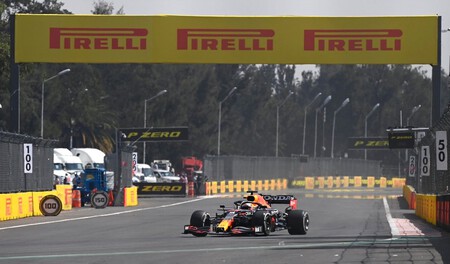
{"x":226,"y":39}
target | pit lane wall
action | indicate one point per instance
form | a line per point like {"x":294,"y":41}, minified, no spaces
{"x":321,"y":182}
{"x":433,"y":208}
{"x":26,"y":204}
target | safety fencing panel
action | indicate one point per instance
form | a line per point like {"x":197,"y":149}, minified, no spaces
{"x":265,"y":168}
{"x":13,"y":161}
{"x":435,"y":181}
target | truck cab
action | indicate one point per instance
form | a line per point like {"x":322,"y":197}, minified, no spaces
{"x":92,"y":156}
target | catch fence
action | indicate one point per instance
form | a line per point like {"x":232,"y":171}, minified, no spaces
{"x":219,"y":168}
{"x":12,"y":174}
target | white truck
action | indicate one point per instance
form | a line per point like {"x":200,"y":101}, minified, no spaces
{"x":162,"y":165}
{"x":90,"y":156}
{"x":144,"y":173}
{"x":58,"y":170}
{"x":166,"y":176}
{"x":72,"y":164}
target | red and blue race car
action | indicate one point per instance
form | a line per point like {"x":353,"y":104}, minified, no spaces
{"x":254,"y":216}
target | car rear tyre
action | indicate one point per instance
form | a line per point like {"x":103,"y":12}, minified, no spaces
{"x":298,"y":222}
{"x":263,"y":219}
{"x":200,"y":218}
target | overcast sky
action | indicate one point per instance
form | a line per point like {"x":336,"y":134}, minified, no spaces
{"x":283,"y":7}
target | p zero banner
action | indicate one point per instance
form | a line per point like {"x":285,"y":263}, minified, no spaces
{"x":145,"y":188}
{"x":226,"y":39}
{"x":155,"y":134}
{"x":367,"y":143}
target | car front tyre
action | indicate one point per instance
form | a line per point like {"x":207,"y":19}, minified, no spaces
{"x":298,"y":222}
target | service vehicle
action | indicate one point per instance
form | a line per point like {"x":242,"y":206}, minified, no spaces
{"x":91,"y":157}
{"x":252,"y":216}
{"x":164,"y":165}
{"x":166,"y":176}
{"x":72,"y":164}
{"x":59,"y":173}
{"x":144,"y":173}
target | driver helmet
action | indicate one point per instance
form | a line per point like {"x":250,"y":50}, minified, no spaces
{"x":246,"y":205}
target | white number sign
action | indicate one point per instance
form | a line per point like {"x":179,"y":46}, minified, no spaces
{"x":28,"y":158}
{"x":412,"y":166}
{"x":425,"y":161}
{"x":441,"y":150}
{"x":134,"y":160}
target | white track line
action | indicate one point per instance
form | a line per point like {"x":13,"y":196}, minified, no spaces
{"x":393,"y":226}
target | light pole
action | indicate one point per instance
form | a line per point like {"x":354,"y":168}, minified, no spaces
{"x":325,"y":102}
{"x":365,"y":125}
{"x":346,"y":101}
{"x":413,"y":111}
{"x":145,"y":115}
{"x":42,"y":97}
{"x":304,"y":121}
{"x":278,"y":115}
{"x":220,"y":118}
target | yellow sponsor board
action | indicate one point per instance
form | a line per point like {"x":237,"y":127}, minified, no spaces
{"x":226,"y":39}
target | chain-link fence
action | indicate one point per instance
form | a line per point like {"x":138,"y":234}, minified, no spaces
{"x":261,"y":168}
{"x":12,"y":174}
{"x":438,"y":181}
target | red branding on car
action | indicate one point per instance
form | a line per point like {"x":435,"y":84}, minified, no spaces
{"x":226,"y":39}
{"x":353,"y":40}
{"x":99,"y":38}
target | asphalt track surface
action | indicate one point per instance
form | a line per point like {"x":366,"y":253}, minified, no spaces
{"x":347,"y":226}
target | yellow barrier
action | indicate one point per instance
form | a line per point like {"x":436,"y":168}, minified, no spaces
{"x":426,"y":207}
{"x":357,"y":181}
{"x":64,"y":193}
{"x":321,"y":182}
{"x":130,"y":196}
{"x":239,"y":186}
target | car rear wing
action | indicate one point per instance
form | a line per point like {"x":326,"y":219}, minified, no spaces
{"x":281,"y":199}
{"x":276,"y":199}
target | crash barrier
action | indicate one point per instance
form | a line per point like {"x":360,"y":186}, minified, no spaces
{"x":426,"y":207}
{"x":321,"y":182}
{"x":219,"y":187}
{"x":434,"y":209}
{"x":21,"y":205}
{"x":26,"y":204}
{"x":410,"y":196}
{"x":161,"y":188}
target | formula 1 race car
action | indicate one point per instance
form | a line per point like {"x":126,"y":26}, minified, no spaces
{"x":252,"y":216}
